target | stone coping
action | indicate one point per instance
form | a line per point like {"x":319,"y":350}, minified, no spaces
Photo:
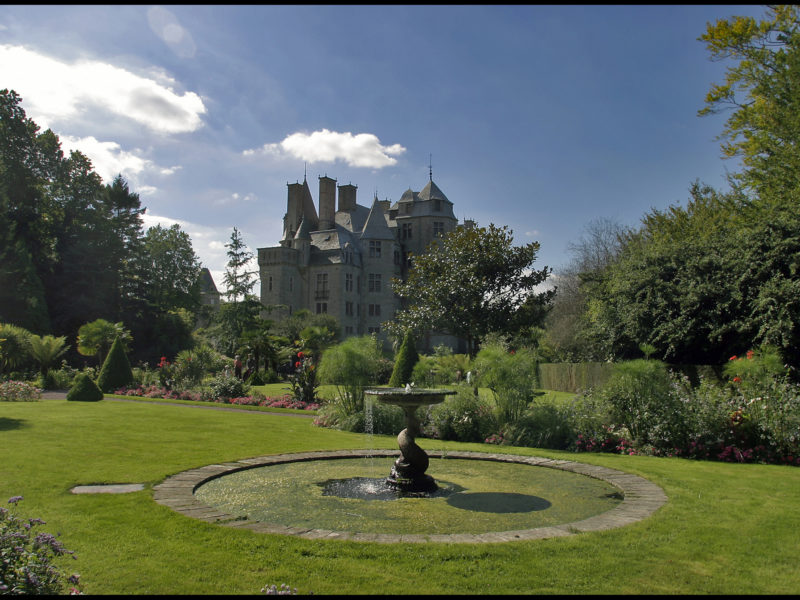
{"x":641,"y":498}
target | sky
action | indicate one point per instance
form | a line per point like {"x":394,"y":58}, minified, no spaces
{"x":541,"y":118}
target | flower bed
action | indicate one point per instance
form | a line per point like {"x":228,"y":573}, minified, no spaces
{"x":19,"y":391}
{"x":284,"y":401}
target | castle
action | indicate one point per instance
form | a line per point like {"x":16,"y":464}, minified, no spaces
{"x":341,"y":261}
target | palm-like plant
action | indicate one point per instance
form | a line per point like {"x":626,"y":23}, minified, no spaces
{"x":46,"y":350}
{"x":95,"y":338}
{"x":15,"y":346}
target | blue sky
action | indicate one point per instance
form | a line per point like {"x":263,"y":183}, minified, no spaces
{"x":542,"y":118}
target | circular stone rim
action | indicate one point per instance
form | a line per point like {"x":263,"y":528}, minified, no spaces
{"x":641,"y":498}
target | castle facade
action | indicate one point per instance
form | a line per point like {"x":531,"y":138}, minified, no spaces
{"x":342,"y":259}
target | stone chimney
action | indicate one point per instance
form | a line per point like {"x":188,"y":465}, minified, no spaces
{"x":347,"y":197}
{"x":327,"y":202}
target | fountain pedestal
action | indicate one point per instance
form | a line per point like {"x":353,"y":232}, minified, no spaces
{"x":408,"y":473}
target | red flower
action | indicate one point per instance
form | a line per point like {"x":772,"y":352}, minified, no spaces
{"x":300,"y":355}
{"x":297,"y":365}
{"x":732,"y":357}
{"x":737,"y":379}
{"x":749,"y":355}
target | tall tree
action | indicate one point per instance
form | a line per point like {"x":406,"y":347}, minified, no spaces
{"x":472,"y":282}
{"x":172,"y":269}
{"x":240,"y":313}
{"x":762,"y":90}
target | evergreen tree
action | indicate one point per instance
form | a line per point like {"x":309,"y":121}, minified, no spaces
{"x":407,"y":357}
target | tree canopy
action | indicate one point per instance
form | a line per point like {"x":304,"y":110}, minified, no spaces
{"x":471,"y":282}
{"x":72,"y":249}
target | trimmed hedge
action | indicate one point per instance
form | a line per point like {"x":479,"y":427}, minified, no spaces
{"x":407,"y":357}
{"x":116,"y":371}
{"x":84,"y":390}
{"x":577,"y":377}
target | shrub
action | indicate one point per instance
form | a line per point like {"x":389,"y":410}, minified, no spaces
{"x":639,"y":393}
{"x":26,"y":566}
{"x":116,"y":371}
{"x":351,"y":366}
{"x":14,"y":349}
{"x":225,"y":388}
{"x":376,"y":417}
{"x":424,"y":372}
{"x":407,"y":357}
{"x":542,"y":426}
{"x":510,"y":375}
{"x":18,"y":391}
{"x":463,"y":417}
{"x":84,"y":390}
{"x":255,"y":379}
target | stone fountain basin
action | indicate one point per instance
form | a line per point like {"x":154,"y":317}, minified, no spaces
{"x":413,"y":397}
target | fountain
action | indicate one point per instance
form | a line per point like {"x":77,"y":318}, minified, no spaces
{"x":408,"y":473}
{"x":480,"y":497}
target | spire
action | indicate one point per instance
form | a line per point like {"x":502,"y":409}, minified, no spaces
{"x":430,"y":166}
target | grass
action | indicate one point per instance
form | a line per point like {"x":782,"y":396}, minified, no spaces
{"x":726,"y":529}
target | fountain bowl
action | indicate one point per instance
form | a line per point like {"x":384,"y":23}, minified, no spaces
{"x":413,"y":397}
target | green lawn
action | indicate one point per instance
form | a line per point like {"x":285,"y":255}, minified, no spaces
{"x":726,"y":529}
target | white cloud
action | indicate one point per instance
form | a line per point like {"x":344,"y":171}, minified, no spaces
{"x":109,"y":160}
{"x":235,"y":198}
{"x":57,"y":91}
{"x":360,"y":150}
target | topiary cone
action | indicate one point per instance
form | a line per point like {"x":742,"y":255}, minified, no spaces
{"x":407,"y":357}
{"x":84,"y":390}
{"x":116,"y":371}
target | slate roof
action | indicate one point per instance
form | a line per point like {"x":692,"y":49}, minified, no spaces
{"x":376,"y":227}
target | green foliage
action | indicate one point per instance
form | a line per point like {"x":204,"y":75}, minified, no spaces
{"x":172,"y":267}
{"x":762,"y":87}
{"x":97,"y":337}
{"x":471,"y":282}
{"x":542,"y":426}
{"x":463,"y":417}
{"x":639,"y":394}
{"x":116,"y":370}
{"x":15,"y":347}
{"x":375,"y":417}
{"x":351,"y":366}
{"x":191,"y":366}
{"x":225,"y":388}
{"x":84,"y":389}
{"x":46,"y":350}
{"x":424,"y":372}
{"x":27,"y":559}
{"x":693,"y":282}
{"x":510,"y":375}
{"x":407,"y":357}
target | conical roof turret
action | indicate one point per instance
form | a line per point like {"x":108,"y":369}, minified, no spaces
{"x":376,"y":227}
{"x":432,"y":192}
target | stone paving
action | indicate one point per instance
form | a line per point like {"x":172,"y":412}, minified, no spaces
{"x":641,"y":499}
